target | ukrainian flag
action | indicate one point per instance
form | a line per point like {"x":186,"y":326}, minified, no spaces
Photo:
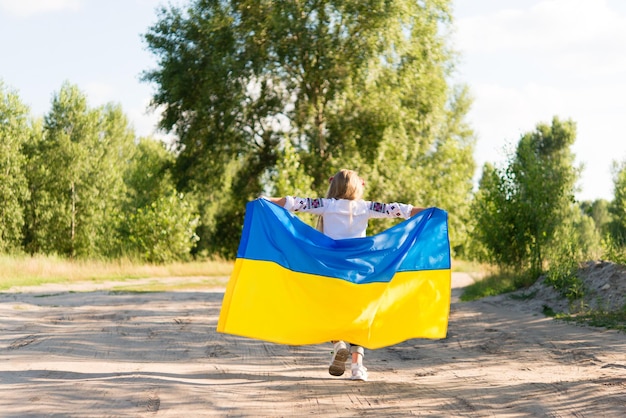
{"x":294,"y":285}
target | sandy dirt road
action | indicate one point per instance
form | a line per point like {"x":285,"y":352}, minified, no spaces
{"x":97,"y":353}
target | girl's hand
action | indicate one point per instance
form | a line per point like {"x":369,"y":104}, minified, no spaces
{"x":280,"y":201}
{"x":416,"y":210}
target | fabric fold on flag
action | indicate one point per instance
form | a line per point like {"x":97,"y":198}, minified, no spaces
{"x":294,"y":285}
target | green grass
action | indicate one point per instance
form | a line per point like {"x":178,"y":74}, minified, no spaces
{"x":496,"y":282}
{"x":598,"y":318}
{"x":38,"y":270}
{"x":491,"y":285}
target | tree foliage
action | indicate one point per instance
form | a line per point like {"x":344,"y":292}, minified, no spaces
{"x":617,"y":208}
{"x":96,"y":192}
{"x":525,"y":207}
{"x":325,"y":84}
{"x":15,"y":131}
{"x":162,"y":231}
{"x":159,"y":223}
{"x":76,"y":177}
{"x":599,"y":210}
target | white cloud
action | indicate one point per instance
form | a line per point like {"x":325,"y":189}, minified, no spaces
{"x":26,"y":8}
{"x":501,"y":114}
{"x":548,"y":58}
{"x":548,"y":25}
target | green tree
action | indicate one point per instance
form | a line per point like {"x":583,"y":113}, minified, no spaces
{"x":15,"y":132}
{"x":589,"y":233}
{"x":522,"y":209}
{"x":158,"y":223}
{"x":76,"y":177}
{"x":331,"y":83}
{"x":498,"y":235}
{"x":162,"y":231}
{"x":617,"y":207}
{"x":149,"y":175}
{"x":598,"y":210}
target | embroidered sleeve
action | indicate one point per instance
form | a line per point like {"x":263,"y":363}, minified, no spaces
{"x":390,"y":210}
{"x":304,"y":204}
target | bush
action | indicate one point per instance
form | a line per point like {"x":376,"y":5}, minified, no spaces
{"x":163,"y":231}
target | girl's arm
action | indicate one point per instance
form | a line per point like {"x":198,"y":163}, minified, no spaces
{"x":416,"y":210}
{"x":392,"y":210}
{"x":280,"y":201}
{"x":299,"y":204}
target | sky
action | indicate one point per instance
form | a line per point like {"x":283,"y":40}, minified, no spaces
{"x":524,"y":61}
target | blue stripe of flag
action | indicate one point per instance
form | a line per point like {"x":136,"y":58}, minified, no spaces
{"x":271,"y":233}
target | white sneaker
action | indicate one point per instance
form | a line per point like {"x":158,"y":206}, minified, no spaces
{"x":359,"y":372}
{"x":338,"y":361}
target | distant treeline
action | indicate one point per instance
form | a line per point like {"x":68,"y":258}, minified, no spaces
{"x":274,"y":99}
{"x":80,"y":184}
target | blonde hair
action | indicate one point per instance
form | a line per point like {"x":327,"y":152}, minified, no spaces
{"x":345,"y":184}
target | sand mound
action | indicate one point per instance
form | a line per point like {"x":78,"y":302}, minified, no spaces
{"x":604,"y":288}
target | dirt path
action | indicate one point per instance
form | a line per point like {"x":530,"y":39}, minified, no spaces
{"x":100,"y":354}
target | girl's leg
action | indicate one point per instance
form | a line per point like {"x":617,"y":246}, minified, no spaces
{"x":359,"y":372}
{"x":357,"y":354}
{"x":338,"y":361}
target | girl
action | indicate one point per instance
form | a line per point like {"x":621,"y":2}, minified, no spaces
{"x":344,"y":214}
